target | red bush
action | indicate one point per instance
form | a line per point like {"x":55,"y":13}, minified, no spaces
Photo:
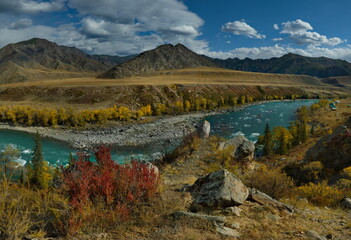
{"x":119,"y":186}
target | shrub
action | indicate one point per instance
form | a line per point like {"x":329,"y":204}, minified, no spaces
{"x":26,"y":212}
{"x":321,"y":194}
{"x":105,"y":189}
{"x":273,"y":182}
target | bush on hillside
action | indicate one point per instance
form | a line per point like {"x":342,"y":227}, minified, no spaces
{"x":104,"y":193}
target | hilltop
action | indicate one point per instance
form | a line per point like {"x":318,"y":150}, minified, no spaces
{"x":37,"y":58}
{"x":165,"y":57}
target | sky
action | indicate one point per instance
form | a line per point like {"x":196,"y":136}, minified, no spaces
{"x":217,"y":28}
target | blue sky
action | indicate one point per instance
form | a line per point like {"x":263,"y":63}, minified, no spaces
{"x":222,"y":28}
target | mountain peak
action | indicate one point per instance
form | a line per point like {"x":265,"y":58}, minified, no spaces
{"x":164,"y":57}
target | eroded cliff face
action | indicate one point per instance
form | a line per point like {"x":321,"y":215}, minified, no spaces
{"x":334,"y":150}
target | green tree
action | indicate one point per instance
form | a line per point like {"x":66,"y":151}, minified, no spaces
{"x":267,"y":141}
{"x":40,"y":173}
{"x":7,"y":158}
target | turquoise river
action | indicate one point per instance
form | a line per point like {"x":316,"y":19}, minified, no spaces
{"x":249,"y":122}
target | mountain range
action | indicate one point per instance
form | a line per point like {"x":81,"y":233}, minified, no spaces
{"x":321,"y":67}
{"x":40,"y":59}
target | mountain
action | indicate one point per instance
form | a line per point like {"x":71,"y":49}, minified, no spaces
{"x":321,"y":67}
{"x":38,"y":59}
{"x":111,"y":61}
{"x":164,"y":57}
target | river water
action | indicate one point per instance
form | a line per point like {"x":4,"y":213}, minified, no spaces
{"x":249,"y":122}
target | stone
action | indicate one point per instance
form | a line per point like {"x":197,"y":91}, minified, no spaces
{"x":242,"y":148}
{"x":233,"y":210}
{"x":219,"y":189}
{"x":313,"y":235}
{"x":225,"y":231}
{"x":152,"y":168}
{"x":346,"y":203}
{"x":246,"y":150}
{"x":219,"y":220}
{"x":234,"y":225}
{"x":204,"y":130}
{"x":268,"y":201}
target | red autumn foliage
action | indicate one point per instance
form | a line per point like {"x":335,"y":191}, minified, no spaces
{"x":119,"y":186}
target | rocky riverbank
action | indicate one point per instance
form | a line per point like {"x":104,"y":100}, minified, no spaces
{"x":167,"y":130}
{"x":163,"y":130}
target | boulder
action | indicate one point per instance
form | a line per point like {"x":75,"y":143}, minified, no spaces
{"x":266,"y":200}
{"x":246,"y":150}
{"x":204,"y":130}
{"x":313,"y":235}
{"x":241,"y":147}
{"x":346,"y":203}
{"x":219,"y":189}
{"x":333,"y":150}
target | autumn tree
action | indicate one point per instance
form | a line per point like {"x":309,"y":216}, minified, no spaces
{"x":267,"y":141}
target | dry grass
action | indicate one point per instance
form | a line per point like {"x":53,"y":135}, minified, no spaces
{"x":189,"y":76}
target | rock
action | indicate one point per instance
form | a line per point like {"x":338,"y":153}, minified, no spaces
{"x":314,"y":235}
{"x":329,"y":146}
{"x":152,"y":168}
{"x":227,"y":231}
{"x":204,"y":130}
{"x":219,"y":220}
{"x":219,"y":189}
{"x":266,"y":200}
{"x":241,"y":147}
{"x":233,"y":210}
{"x":245,"y":151}
{"x":346,"y":203}
{"x":234,"y":225}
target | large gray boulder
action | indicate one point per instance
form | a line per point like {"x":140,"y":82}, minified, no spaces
{"x":219,"y":189}
{"x":242,"y":148}
{"x":204,"y":130}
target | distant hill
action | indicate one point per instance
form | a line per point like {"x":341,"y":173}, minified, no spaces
{"x":37,"y":59}
{"x":165,"y":57}
{"x":321,"y":67}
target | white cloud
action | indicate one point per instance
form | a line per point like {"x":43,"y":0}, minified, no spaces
{"x":276,"y":26}
{"x":242,"y":28}
{"x":111,"y":26}
{"x":277,"y":39}
{"x":30,"y":6}
{"x":20,"y":24}
{"x":301,"y":33}
{"x":296,"y":27}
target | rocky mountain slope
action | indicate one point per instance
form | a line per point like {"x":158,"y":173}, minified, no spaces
{"x":291,"y":64}
{"x":165,"y":57}
{"x":37,"y":59}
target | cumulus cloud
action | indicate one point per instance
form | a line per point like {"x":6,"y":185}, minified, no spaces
{"x":30,"y":6}
{"x":242,"y":28}
{"x":276,"y":26}
{"x":20,"y":24}
{"x":120,"y":27}
{"x":301,"y":33}
{"x":277,"y":39}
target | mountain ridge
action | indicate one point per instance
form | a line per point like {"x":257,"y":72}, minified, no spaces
{"x":321,"y":67}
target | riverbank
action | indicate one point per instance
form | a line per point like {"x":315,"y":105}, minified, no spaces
{"x":166,"y":130}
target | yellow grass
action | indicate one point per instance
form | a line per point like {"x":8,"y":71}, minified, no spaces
{"x":189,"y":76}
